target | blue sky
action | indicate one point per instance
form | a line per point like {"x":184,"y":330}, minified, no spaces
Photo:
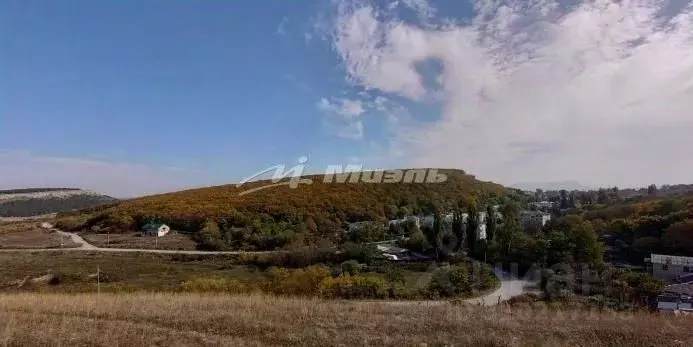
{"x":161,"y":95}
{"x":224,"y":86}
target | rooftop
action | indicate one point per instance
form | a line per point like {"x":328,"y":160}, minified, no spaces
{"x":671,"y":260}
{"x":683,"y":289}
{"x":152,"y":225}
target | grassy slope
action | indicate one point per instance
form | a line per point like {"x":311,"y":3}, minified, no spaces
{"x":196,"y":320}
{"x":324,"y":201}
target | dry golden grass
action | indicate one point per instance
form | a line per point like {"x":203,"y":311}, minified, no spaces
{"x":196,"y":320}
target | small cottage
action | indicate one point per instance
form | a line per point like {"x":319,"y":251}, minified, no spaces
{"x":156,"y":229}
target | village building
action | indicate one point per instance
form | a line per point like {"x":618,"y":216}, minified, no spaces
{"x":534,"y":219}
{"x":155,"y":229}
{"x":671,"y":268}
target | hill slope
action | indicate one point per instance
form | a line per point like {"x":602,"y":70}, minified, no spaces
{"x":320,"y":206}
{"x":38,"y":201}
{"x":165,"y":319}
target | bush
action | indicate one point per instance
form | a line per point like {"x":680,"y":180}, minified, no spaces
{"x":209,"y":237}
{"x":355,"y":287}
{"x":72,"y":223}
{"x":214,"y":284}
{"x":416,"y":241}
{"x":351,"y":267}
{"x":297,"y":282}
{"x":458,"y":280}
{"x":361,"y":253}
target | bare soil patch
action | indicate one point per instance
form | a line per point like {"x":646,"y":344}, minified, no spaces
{"x":172,"y":241}
{"x":29,"y":235}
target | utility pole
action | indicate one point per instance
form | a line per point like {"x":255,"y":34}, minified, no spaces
{"x":98,"y":281}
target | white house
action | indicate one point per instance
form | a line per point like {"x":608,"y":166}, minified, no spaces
{"x":416,"y":220}
{"x":670,"y":267}
{"x":156,"y":229}
{"x":542,"y":205}
{"x":673,"y":304}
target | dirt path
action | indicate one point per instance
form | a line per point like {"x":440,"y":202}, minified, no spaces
{"x":86,"y":246}
{"x":510,"y":285}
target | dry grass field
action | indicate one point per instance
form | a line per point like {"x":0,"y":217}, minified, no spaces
{"x":173,"y":240}
{"x":119,"y":271}
{"x":29,"y":234}
{"x":202,"y":320}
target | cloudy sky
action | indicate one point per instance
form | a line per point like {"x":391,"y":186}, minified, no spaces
{"x":138,"y":97}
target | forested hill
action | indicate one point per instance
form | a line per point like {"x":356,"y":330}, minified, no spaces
{"x":37,"y":201}
{"x":319,"y":206}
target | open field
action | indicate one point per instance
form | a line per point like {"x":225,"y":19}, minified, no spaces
{"x":173,"y":241}
{"x":200,"y":320}
{"x":28,"y":234}
{"x":119,"y":271}
{"x":44,"y":217}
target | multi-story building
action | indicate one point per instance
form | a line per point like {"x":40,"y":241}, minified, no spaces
{"x":534,"y":219}
{"x":669,"y":267}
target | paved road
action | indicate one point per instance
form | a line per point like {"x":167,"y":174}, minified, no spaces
{"x":511,"y":286}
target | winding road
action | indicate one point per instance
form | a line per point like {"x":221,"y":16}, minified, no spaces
{"x":86,"y":246}
{"x":510,"y":285}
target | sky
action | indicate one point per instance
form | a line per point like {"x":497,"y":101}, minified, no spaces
{"x":132,"y":98}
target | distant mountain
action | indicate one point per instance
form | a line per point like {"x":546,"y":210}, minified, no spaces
{"x":37,"y":201}
{"x":567,"y":185}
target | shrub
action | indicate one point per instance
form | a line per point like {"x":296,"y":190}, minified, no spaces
{"x":457,"y":280}
{"x":355,"y":287}
{"x":351,"y":267}
{"x":298,"y":282}
{"x":72,"y":223}
{"x":361,"y":253}
{"x":214,"y":284}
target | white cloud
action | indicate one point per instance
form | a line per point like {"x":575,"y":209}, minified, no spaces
{"x":422,"y":7}
{"x":537,"y":90}
{"x":24,"y":169}
{"x":342,"y":117}
{"x":281,"y":27}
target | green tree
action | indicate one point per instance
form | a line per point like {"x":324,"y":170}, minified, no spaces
{"x":491,"y":223}
{"x":351,"y":267}
{"x":511,"y":226}
{"x":679,"y":237}
{"x":472,"y":224}
{"x":367,"y":232}
{"x":458,"y":228}
{"x":416,"y":240}
{"x":209,"y":237}
{"x":564,"y":198}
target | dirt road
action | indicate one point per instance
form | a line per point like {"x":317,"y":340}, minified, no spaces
{"x":510,"y":285}
{"x":86,"y":246}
